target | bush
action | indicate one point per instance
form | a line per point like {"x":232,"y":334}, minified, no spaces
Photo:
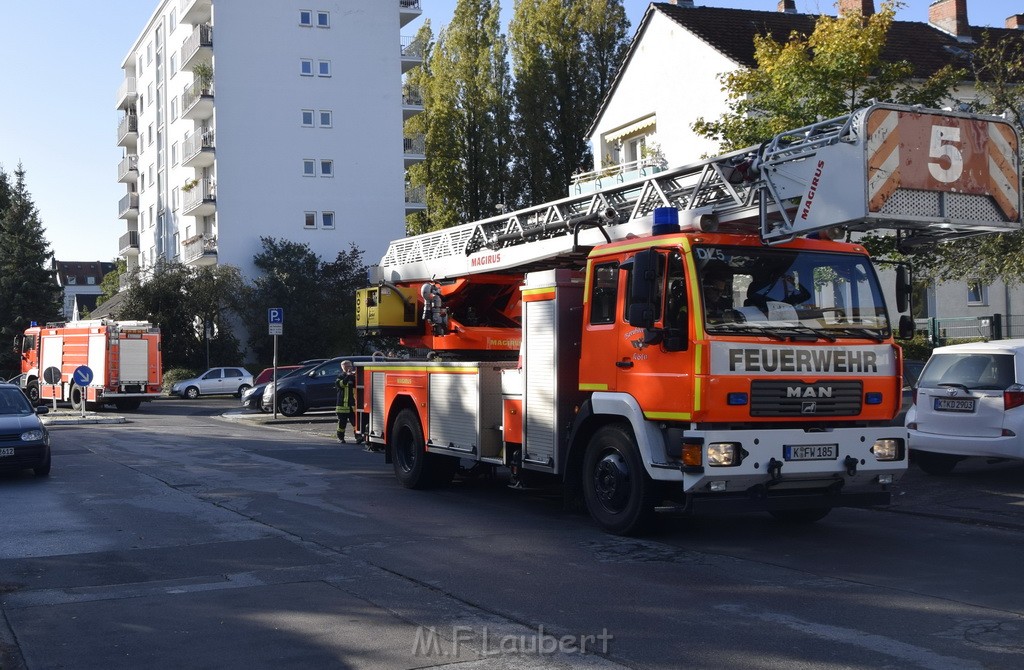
{"x":175,"y":375}
{"x":917,"y":349}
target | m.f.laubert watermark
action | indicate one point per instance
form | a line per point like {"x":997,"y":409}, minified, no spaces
{"x":482,"y":641}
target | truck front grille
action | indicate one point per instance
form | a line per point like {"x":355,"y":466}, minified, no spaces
{"x":781,"y":397}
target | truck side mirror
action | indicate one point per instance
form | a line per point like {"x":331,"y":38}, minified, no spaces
{"x":641,"y":289}
{"x":906,"y":327}
{"x":903,"y":288}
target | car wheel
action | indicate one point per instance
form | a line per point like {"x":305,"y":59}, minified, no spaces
{"x":242,"y":389}
{"x":191,"y":393}
{"x":290,"y":405}
{"x":936,"y":464}
{"x":44,"y":469}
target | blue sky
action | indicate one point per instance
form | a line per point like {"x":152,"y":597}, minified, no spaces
{"x":62,"y":62}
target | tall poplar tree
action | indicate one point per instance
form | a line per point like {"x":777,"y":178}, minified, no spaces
{"x":465,"y":91}
{"x":28,"y":290}
{"x":564,"y":56}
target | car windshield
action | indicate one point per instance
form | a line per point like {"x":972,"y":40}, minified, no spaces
{"x":14,"y":402}
{"x":969,"y":370}
{"x":788,"y":293}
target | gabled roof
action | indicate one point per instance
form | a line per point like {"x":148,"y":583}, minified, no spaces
{"x":80,"y":271}
{"x":731,"y":32}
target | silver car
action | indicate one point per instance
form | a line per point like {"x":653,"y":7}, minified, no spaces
{"x":215,"y":381}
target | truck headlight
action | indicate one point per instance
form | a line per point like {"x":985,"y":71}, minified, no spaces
{"x":888,"y":449}
{"x":724,"y":454}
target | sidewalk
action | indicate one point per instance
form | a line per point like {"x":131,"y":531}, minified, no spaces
{"x":63,"y":416}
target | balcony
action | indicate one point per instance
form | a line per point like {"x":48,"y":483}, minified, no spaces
{"x":415,"y":199}
{"x":408,"y":10}
{"x":128,"y":131}
{"x":128,"y":207}
{"x":198,"y":47}
{"x":414,"y":149}
{"x":412,"y":52}
{"x":198,"y":150}
{"x":129,"y":244}
{"x":199,"y":250}
{"x":199,"y":198}
{"x":128,"y":169}
{"x":126,"y":93}
{"x":412,"y":102}
{"x":195,"y":11}
{"x":197,"y":100}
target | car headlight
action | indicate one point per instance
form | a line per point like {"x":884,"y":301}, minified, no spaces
{"x":32,"y":435}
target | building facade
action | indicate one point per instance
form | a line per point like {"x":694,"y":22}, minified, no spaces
{"x":240,"y":120}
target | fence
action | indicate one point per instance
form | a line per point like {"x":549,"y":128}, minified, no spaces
{"x":992,"y":327}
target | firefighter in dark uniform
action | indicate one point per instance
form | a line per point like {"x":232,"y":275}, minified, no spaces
{"x":346,"y":408}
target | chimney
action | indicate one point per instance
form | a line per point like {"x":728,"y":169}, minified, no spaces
{"x":681,"y":3}
{"x":1015,"y":22}
{"x":950,"y":16}
{"x":787,"y":6}
{"x":864,"y":7}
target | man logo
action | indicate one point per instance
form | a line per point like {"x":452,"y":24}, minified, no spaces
{"x":809,"y":407}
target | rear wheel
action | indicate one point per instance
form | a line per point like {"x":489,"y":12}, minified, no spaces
{"x":936,"y":464}
{"x":242,"y":389}
{"x":414,"y":467}
{"x":618,"y":493}
{"x":128,"y":405}
{"x":32,"y":391}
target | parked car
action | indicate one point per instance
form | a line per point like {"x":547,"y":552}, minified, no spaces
{"x":969,"y":401}
{"x":312,"y":389}
{"x":253,"y":398}
{"x":267,"y":374}
{"x":24,"y":440}
{"x":215,"y":381}
{"x":911,"y":372}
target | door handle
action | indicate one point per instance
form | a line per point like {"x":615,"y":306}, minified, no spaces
{"x":624,"y":364}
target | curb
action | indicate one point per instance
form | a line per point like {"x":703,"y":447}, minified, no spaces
{"x":78,"y":419}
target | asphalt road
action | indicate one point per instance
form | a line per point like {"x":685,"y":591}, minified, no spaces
{"x":184,"y":539}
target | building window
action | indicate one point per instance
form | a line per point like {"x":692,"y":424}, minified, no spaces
{"x":305,"y":18}
{"x":174,"y":108}
{"x":324,"y":68}
{"x":174,"y":64}
{"x":174,"y":199}
{"x":323,"y":19}
{"x":328,"y":220}
{"x":326,"y":168}
{"x":172,"y":20}
{"x":326,"y":118}
{"x":174,"y":154}
{"x":90,"y":280}
{"x":149,"y":53}
{"x":149,"y":137}
{"x":310,"y":220}
{"x":308,"y":167}
{"x":72,"y":280}
{"x":306,"y":67}
{"x":307,"y":118}
{"x":976,"y":292}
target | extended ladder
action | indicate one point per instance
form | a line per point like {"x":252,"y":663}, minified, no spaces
{"x":930,"y":174}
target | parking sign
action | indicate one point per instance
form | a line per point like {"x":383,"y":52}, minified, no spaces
{"x":275,"y":315}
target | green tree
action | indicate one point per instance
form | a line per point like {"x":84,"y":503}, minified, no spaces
{"x":318,"y":299}
{"x":188,"y":303}
{"x":111,"y":283}
{"x":28,"y":289}
{"x":466,"y":107}
{"x":564,"y":56}
{"x":829,"y":73}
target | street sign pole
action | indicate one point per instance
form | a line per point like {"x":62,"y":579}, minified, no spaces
{"x":275,"y":324}
{"x":275,"y":377}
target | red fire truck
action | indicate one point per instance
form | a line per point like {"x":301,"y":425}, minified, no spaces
{"x":693,"y":341}
{"x":124,"y":357}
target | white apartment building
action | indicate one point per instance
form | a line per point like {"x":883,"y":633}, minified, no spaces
{"x":240,"y":120}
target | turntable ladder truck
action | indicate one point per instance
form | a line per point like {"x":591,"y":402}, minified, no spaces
{"x":577,"y":342}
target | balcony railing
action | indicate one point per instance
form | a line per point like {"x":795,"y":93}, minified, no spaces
{"x":412,"y":52}
{"x":588,"y":182}
{"x":197,"y":150}
{"x":128,"y":129}
{"x":126,"y":93}
{"x":414,"y":145}
{"x":200,"y":198}
{"x":201,"y":250}
{"x":128,"y":169}
{"x":129,"y":243}
{"x":197,"y":100}
{"x":197,"y":47}
{"x":415,"y":195}
{"x":128,"y":207}
{"x":409,"y":4}
{"x":408,"y":10}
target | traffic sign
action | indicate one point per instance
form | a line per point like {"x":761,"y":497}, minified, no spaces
{"x":51,"y":375}
{"x":83,"y":375}
{"x":277,"y":329}
{"x":275,"y":315}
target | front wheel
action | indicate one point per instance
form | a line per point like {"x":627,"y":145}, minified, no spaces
{"x":191,"y":393}
{"x":32,"y":391}
{"x":618,"y":493}
{"x":290,"y":405}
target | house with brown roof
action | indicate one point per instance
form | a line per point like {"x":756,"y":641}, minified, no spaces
{"x":671,"y":76}
{"x":81,"y":282}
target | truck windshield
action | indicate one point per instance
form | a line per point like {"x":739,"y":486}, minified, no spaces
{"x":786,"y":293}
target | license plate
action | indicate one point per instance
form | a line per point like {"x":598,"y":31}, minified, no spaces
{"x":7,"y":451}
{"x":954,"y":404}
{"x":811,"y":452}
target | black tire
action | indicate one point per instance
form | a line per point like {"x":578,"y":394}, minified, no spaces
{"x":414,"y":467}
{"x":43,"y":470}
{"x":128,"y":405}
{"x":936,"y":464}
{"x":618,"y":493}
{"x":191,"y":393}
{"x":77,"y":397}
{"x":242,"y":389}
{"x":290,"y":404}
{"x":32,"y":391}
{"x":809,"y":515}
